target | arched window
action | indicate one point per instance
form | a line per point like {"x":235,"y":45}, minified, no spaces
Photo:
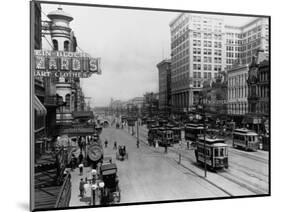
{"x":55,"y":44}
{"x":66,"y":45}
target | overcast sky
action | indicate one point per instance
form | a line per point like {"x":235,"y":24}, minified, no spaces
{"x":130,"y":44}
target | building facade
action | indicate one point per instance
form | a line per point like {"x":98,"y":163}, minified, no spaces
{"x":68,"y":90}
{"x":259,"y":93}
{"x":237,"y":92}
{"x":243,"y":42}
{"x":202,"y":46}
{"x":197,"y":52}
{"x":164,"y":76}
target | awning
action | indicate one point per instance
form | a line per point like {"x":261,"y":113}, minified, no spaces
{"x":39,"y":107}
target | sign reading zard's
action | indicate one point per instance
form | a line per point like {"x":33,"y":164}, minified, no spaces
{"x":65,"y":64}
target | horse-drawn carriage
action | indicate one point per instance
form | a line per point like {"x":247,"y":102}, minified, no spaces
{"x":121,"y":153}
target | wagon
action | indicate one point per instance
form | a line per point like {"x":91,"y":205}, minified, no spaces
{"x":111,"y":191}
{"x":121,"y":153}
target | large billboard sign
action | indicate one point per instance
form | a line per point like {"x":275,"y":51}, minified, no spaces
{"x":65,"y":64}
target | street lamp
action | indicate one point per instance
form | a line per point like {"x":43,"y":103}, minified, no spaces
{"x":96,"y":192}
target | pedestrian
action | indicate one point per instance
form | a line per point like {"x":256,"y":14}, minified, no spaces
{"x":81,"y":188}
{"x":80,"y":158}
{"x":94,"y":176}
{"x":86,"y":186}
{"x":115,"y":145}
{"x":166,"y":148}
{"x":105,"y":143}
{"x":81,"y":168}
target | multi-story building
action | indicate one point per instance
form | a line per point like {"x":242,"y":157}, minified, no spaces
{"x":197,"y":54}
{"x":237,"y":92}
{"x":258,"y":97}
{"x":202,"y":46}
{"x":164,"y":76}
{"x":67,"y":89}
{"x":150,"y":104}
{"x":243,"y":42}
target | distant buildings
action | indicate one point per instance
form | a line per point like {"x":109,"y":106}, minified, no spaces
{"x":164,"y":76}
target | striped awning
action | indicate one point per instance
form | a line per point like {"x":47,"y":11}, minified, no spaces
{"x":39,"y":107}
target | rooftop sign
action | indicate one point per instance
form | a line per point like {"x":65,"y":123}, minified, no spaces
{"x":65,"y":64}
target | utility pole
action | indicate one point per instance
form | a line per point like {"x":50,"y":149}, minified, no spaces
{"x":204,"y":117}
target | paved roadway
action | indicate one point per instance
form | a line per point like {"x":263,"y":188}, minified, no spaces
{"x":247,"y":170}
{"x":151,"y":175}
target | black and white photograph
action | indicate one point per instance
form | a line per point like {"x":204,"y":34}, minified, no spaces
{"x":141,"y":105}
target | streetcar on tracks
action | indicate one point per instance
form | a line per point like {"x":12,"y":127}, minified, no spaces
{"x":192,"y":131}
{"x":152,"y":135}
{"x":245,"y":139}
{"x":162,"y":135}
{"x":165,"y":136}
{"x":214,"y":152}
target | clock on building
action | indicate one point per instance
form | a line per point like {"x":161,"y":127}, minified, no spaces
{"x":95,"y":152}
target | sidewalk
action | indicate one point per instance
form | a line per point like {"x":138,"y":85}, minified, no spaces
{"x":75,"y":199}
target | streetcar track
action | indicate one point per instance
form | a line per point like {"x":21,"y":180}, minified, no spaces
{"x":237,"y":167}
{"x":190,"y":171}
{"x":254,"y":190}
{"x":230,"y":176}
{"x":249,"y":156}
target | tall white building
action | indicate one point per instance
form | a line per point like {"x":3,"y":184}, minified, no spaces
{"x":197,"y":54}
{"x":202,"y":46}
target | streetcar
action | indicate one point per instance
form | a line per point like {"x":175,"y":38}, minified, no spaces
{"x":177,"y":134}
{"x":216,"y":150}
{"x":192,"y":131}
{"x":152,"y":135}
{"x":165,"y":136}
{"x":245,"y":139}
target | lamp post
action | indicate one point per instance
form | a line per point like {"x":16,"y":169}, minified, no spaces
{"x":137,"y":132}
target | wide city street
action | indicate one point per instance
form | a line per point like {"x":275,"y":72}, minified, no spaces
{"x":149,"y":174}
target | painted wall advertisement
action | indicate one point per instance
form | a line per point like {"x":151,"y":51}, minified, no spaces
{"x":65,"y":64}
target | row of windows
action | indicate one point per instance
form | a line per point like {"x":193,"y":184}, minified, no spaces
{"x":206,"y":75}
{"x":66,"y":46}
{"x":238,"y":108}
{"x":178,"y":49}
{"x":239,"y":80}
{"x":234,"y":93}
{"x":180,"y":70}
{"x":261,"y":91}
{"x":262,"y":107}
{"x":207,"y":67}
{"x":207,"y":43}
